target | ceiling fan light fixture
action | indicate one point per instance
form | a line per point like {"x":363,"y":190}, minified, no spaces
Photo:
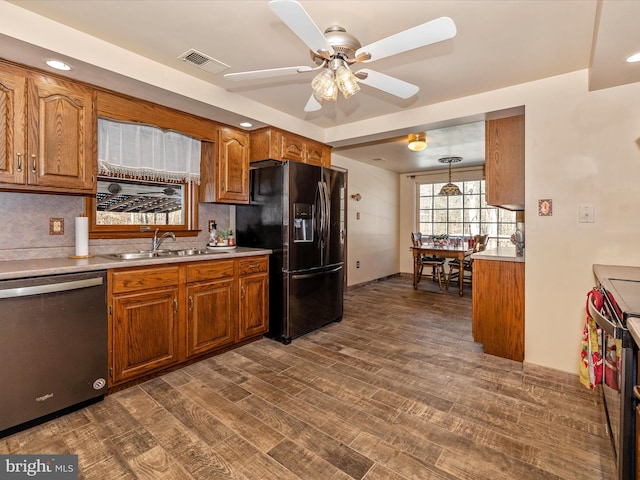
{"x":346,"y":81}
{"x":324,"y":87}
{"x":417,"y":142}
{"x":450,"y":189}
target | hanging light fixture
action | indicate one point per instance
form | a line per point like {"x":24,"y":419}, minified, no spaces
{"x":450,"y":188}
{"x":417,"y":142}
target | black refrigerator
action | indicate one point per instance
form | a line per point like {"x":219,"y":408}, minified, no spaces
{"x":298,"y":211}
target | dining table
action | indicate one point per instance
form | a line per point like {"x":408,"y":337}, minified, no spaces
{"x":447,"y":251}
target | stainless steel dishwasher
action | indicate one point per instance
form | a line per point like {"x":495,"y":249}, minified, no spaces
{"x":53,"y":346}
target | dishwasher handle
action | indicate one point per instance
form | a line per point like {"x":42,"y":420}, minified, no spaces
{"x":50,"y":288}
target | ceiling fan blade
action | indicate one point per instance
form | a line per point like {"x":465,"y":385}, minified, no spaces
{"x":437,"y":30}
{"x":313,"y":104}
{"x":299,"y":21}
{"x":270,"y":72}
{"x":388,"y":84}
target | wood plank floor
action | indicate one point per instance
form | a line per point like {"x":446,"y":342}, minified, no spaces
{"x":396,"y":391}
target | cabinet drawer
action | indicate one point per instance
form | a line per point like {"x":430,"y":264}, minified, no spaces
{"x":198,"y":272}
{"x":144,"y":278}
{"x":253,"y":265}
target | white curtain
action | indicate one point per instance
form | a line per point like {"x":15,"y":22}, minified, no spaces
{"x":146,"y":152}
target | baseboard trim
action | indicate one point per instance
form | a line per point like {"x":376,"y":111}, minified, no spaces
{"x":375,"y":280}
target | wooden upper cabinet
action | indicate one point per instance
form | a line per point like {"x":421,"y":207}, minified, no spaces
{"x":233,"y":166}
{"x":273,"y":144}
{"x":61,"y":136}
{"x":504,"y":162}
{"x":47,"y":133}
{"x":224,"y":168}
{"x":13,"y":122}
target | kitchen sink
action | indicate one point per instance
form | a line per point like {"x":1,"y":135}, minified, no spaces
{"x":142,"y":254}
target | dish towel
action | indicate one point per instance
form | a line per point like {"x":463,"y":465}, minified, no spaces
{"x":591,"y":354}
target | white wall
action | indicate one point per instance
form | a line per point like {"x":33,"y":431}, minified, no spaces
{"x":372,"y":239}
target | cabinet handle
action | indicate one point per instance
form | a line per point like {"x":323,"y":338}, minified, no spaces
{"x":175,"y":302}
{"x":222,"y":188}
{"x":190,"y":303}
{"x":242,"y":293}
{"x":636,"y":391}
{"x":33,"y":168}
{"x":254,"y":266}
{"x":19,"y":155}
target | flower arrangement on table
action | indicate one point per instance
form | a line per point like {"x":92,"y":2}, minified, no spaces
{"x":440,"y":240}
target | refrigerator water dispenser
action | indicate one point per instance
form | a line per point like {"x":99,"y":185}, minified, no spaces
{"x":302,"y":222}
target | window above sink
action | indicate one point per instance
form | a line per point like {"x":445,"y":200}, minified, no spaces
{"x":134,"y":208}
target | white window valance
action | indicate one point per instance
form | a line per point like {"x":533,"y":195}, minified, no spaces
{"x":146,"y":152}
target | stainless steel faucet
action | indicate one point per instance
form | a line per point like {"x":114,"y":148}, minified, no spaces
{"x":155,"y":244}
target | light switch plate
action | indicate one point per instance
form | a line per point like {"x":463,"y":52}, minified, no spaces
{"x":586,"y":213}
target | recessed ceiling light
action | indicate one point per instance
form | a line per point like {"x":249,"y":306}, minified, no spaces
{"x":58,"y":65}
{"x":634,"y":58}
{"x":246,"y":124}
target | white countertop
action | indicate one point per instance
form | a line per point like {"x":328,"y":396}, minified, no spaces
{"x":10,"y":269}
{"x":616,"y":271}
{"x":504,"y":254}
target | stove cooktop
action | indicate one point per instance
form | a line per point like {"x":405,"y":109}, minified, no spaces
{"x":627,"y":295}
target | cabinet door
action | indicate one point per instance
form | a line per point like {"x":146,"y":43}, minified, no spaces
{"x":12,"y":128}
{"x":210,"y":316}
{"x":233,"y":166}
{"x":504,"y":162}
{"x":498,"y":307}
{"x":61,"y":138}
{"x":314,"y":153}
{"x":254,"y":305}
{"x":145,"y":333}
{"x":293,"y":148}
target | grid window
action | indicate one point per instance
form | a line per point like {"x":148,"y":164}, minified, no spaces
{"x":463,"y":215}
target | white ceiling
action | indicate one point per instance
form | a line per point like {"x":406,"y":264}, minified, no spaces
{"x":499,"y":43}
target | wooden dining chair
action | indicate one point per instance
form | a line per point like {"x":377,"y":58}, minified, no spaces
{"x":456,"y":268}
{"x":435,"y":264}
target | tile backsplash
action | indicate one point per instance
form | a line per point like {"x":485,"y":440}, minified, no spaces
{"x":24,"y":232}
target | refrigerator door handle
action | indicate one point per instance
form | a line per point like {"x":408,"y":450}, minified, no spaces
{"x":327,"y":210}
{"x":323,"y":209}
{"x":316,"y":274}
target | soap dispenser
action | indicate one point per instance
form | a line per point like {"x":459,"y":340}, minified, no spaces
{"x":213,"y":235}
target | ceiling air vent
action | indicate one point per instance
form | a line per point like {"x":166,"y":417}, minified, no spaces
{"x":203,"y":61}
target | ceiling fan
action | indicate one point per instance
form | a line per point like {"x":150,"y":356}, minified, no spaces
{"x":335,"y":50}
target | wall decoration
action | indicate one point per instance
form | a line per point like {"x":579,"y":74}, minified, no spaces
{"x":545,"y":207}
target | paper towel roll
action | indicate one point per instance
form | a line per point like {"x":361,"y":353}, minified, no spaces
{"x":82,"y":236}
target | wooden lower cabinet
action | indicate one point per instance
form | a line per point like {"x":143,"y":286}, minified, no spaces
{"x":498,"y":307}
{"x":162,"y":316}
{"x":144,"y":333}
{"x":210,"y":316}
{"x":254,"y":296}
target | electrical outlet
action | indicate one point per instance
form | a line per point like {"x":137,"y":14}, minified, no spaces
{"x":56,"y":226}
{"x":358,"y":264}
{"x":211,"y":224}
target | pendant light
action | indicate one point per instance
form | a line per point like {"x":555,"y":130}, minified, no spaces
{"x":417,"y":142}
{"x":450,"y":189}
